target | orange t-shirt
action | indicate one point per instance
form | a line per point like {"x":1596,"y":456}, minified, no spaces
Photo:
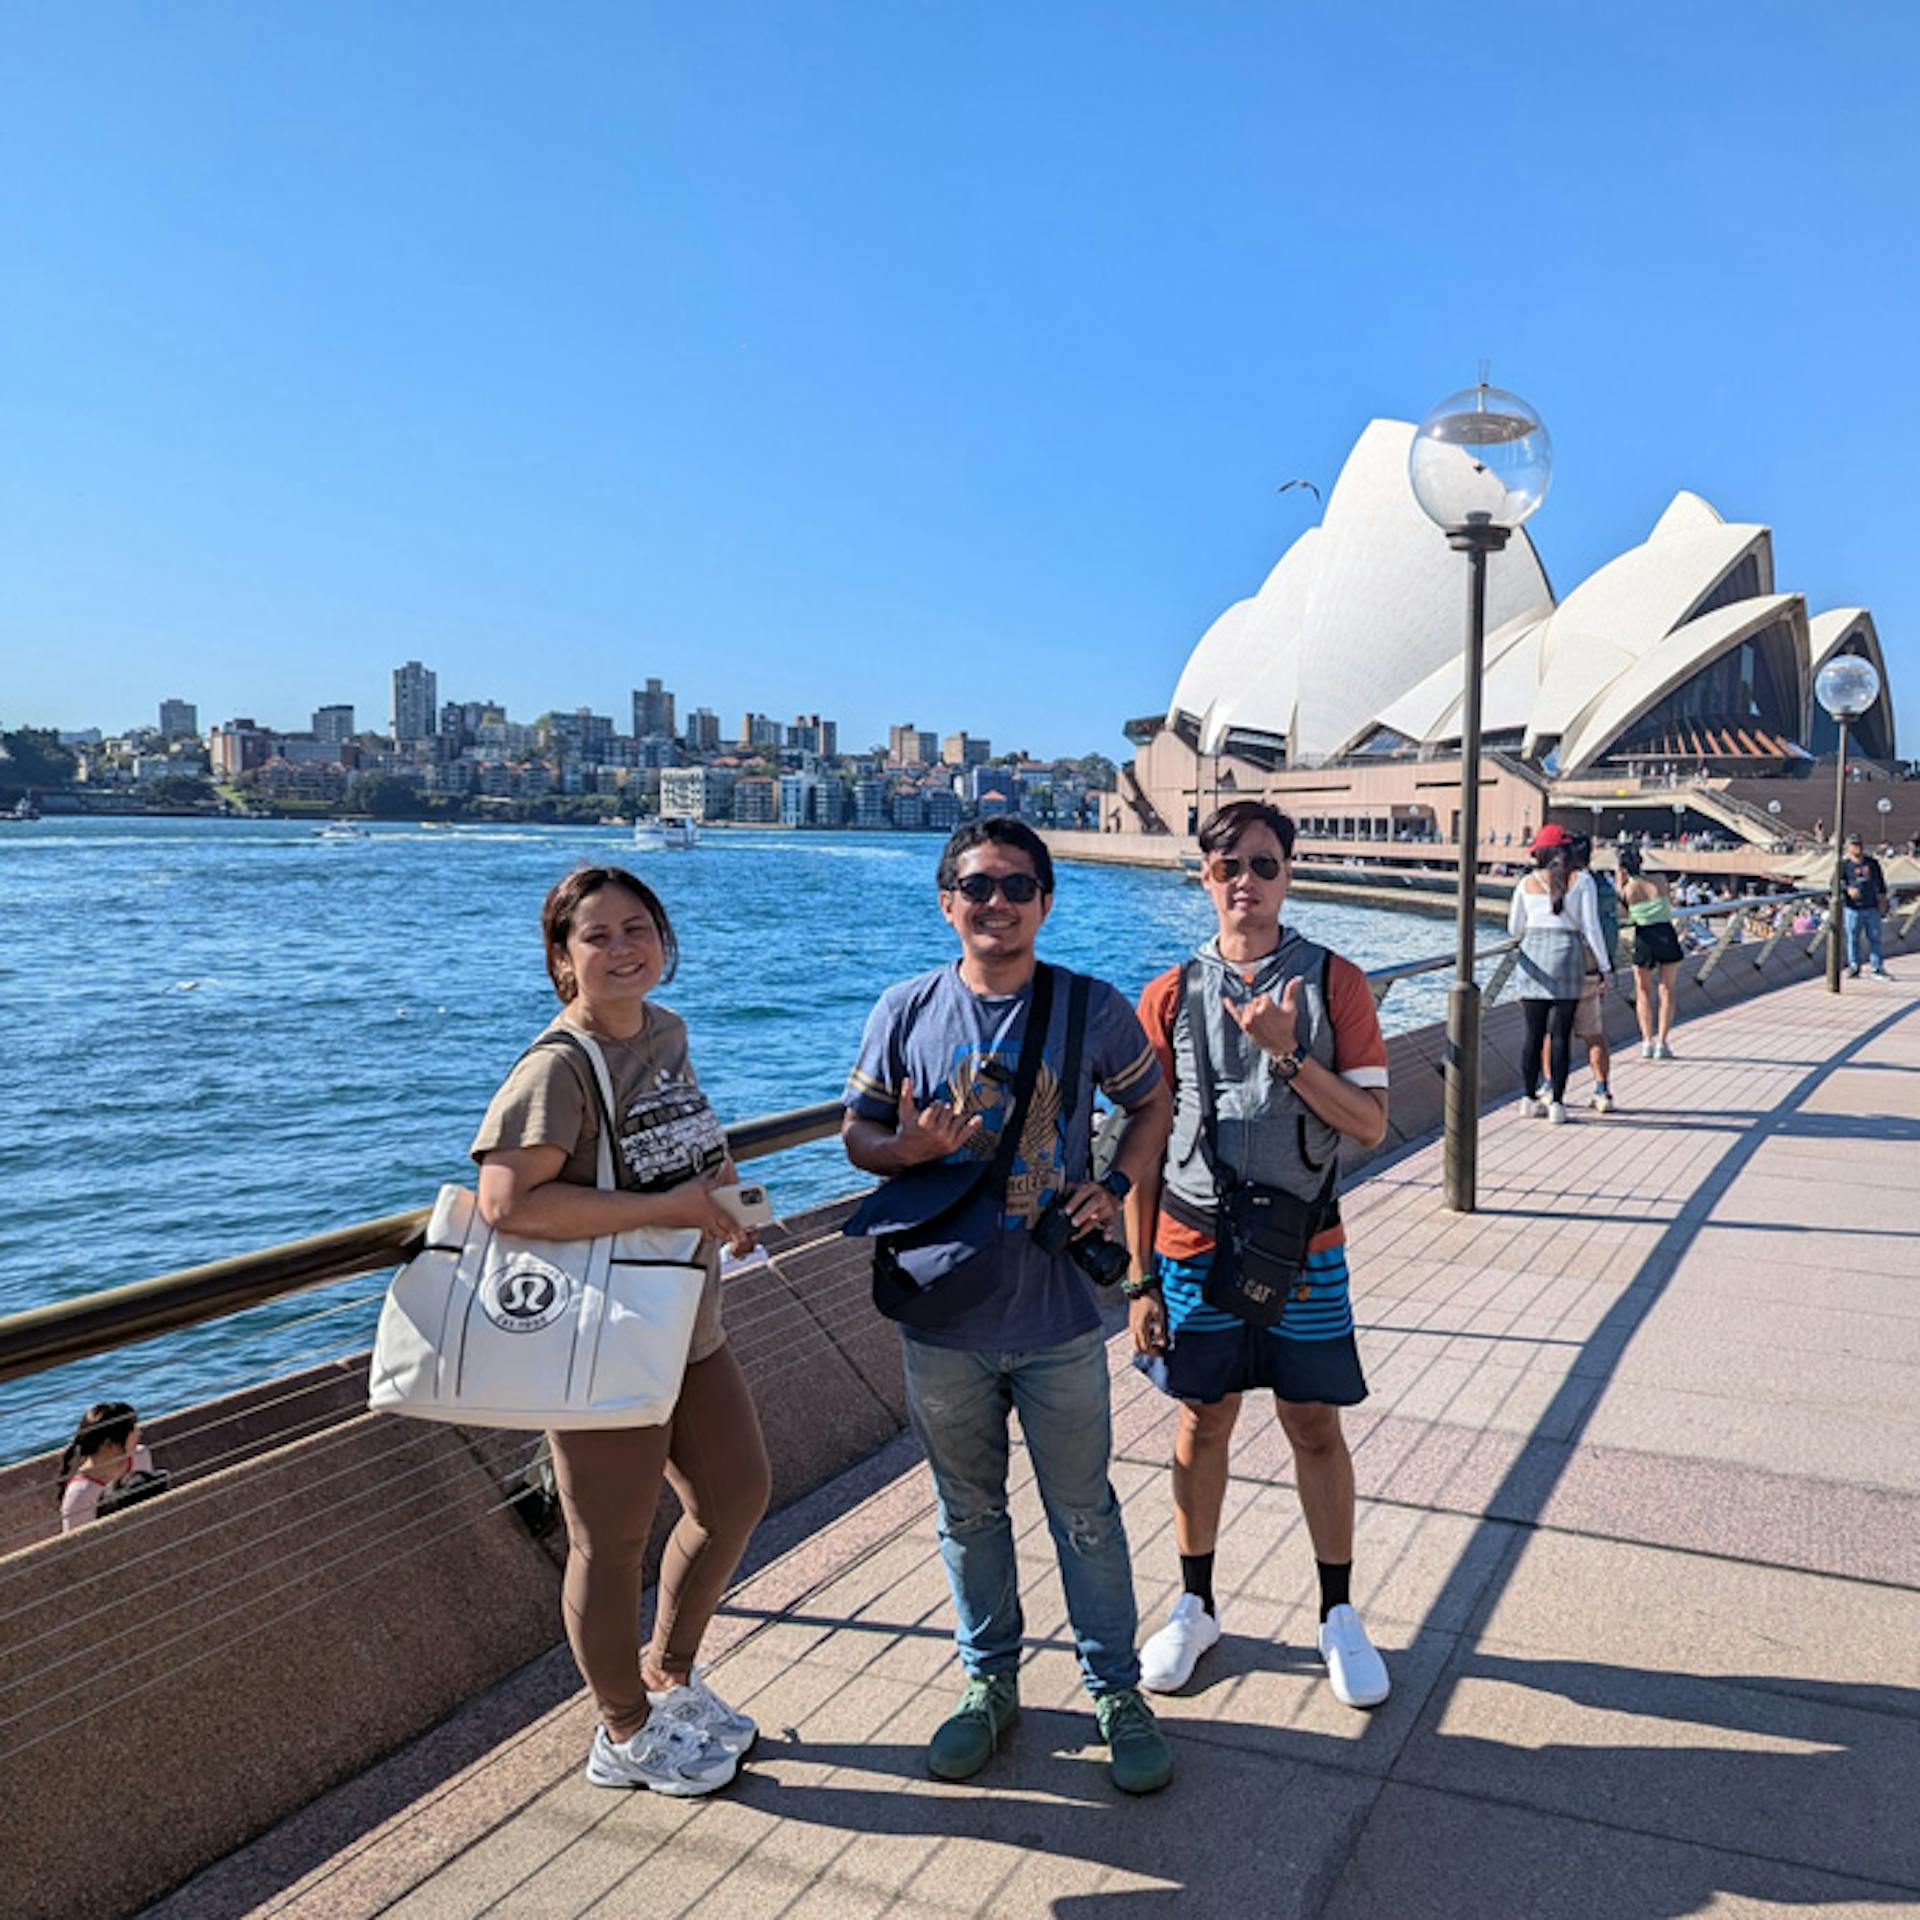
{"x":1359,"y":1057}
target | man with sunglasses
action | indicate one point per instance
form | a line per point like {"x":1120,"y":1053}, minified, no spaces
{"x":1009,"y":1325}
{"x":1273,"y":1049}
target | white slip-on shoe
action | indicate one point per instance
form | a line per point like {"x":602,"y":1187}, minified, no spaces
{"x":1556,"y":1114}
{"x":1168,"y":1659}
{"x":1532,"y":1109}
{"x":1355,"y":1670}
{"x":1603,"y":1101}
{"x":665,"y":1756}
{"x":1646,"y":1050}
{"x":695,"y":1704}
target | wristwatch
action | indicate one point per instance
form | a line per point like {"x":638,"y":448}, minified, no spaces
{"x":1285,"y":1065}
{"x":1132,"y":1289}
{"x":1116,"y":1183}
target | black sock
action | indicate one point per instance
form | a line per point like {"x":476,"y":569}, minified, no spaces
{"x":1335,"y":1581}
{"x":1196,"y":1575}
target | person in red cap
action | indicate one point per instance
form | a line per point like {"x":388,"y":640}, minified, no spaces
{"x":1556,"y":918}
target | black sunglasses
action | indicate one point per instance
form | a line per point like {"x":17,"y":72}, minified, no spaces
{"x":1226,"y":866}
{"x":1020,"y":888}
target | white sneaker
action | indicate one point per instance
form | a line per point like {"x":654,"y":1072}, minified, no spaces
{"x":1648,"y":1050}
{"x":1557,"y":1114}
{"x":665,"y":1756}
{"x":1532,"y":1109}
{"x":1661,"y":1050}
{"x":1603,"y":1101}
{"x":1168,"y":1659}
{"x":695,"y":1704}
{"x":1355,"y":1671}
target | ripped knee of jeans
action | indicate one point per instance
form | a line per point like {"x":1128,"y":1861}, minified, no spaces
{"x":985,"y":1518}
{"x":1092,"y":1530}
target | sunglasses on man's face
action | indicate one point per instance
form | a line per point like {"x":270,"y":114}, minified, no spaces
{"x":1019,"y":888}
{"x":1229,"y":866}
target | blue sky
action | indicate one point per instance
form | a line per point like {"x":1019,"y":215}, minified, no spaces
{"x":899,"y":361}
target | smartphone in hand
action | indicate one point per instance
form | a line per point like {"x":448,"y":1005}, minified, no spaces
{"x":748,"y":1204}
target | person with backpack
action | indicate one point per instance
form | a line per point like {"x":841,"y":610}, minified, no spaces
{"x":972,"y":1098}
{"x":1555,"y":916}
{"x":104,"y":1467}
{"x":1273,"y":1048}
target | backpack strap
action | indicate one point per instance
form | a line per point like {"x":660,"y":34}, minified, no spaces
{"x":1079,"y":994}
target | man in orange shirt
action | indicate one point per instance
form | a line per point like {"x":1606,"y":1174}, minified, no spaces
{"x":1273,"y":1049}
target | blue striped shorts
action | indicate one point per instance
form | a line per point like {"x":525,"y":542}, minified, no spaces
{"x":1308,"y":1357}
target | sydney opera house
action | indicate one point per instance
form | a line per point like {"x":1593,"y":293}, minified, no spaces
{"x":1677,"y":669}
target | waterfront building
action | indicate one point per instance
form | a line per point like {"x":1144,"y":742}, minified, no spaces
{"x":1336,"y":688}
{"x":335,"y":723}
{"x":870,"y":807}
{"x":909,"y":809}
{"x":179,"y":720}
{"x":416,"y":711}
{"x":756,"y":801}
{"x":940,"y":809}
{"x":703,"y":731}
{"x":652,"y":711}
{"x":811,"y":800}
{"x":966,"y":750}
{"x":698,"y":793}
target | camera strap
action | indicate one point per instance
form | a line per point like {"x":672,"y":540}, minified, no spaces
{"x":1078,"y":995}
{"x":1033,"y":1047}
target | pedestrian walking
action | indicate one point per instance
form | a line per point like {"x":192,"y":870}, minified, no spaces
{"x":1863,"y":888}
{"x":1656,"y":954}
{"x":1555,"y":916}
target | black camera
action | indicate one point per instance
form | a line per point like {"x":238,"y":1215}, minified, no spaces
{"x":1102,"y":1260}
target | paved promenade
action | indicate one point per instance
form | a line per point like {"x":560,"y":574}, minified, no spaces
{"x":1640,"y":1535}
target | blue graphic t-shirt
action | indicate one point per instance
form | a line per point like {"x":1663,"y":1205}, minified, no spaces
{"x":958,"y":1046}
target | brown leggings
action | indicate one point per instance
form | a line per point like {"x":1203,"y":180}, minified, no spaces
{"x":609,"y":1484}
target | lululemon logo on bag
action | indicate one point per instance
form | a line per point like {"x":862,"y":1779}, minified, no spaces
{"x":525,"y":1295}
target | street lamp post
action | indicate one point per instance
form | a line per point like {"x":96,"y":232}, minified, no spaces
{"x":1847,"y":686}
{"x":1479,"y":467}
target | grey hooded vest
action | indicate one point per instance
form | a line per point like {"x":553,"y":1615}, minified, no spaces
{"x":1267,"y":1133}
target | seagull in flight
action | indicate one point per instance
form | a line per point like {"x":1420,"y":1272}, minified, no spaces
{"x":1288,"y":486}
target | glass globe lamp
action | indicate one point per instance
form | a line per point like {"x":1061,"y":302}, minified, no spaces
{"x":1480,"y":458}
{"x":1847,"y":686}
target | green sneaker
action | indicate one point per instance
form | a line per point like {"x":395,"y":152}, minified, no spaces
{"x":966,"y":1739}
{"x":1141,"y":1759}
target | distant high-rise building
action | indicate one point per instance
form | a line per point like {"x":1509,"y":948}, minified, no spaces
{"x":903,"y":745}
{"x":652,"y":711}
{"x":416,"y":704}
{"x":760,"y":730}
{"x":179,"y":720}
{"x":870,"y":804}
{"x":333,"y":723}
{"x":703,"y":731}
{"x":810,"y":734}
{"x":963,"y":750}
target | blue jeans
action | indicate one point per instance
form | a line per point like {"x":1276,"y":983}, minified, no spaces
{"x":1863,"y":937}
{"x":958,"y":1403}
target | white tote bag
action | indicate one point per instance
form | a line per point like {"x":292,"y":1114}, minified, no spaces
{"x":491,"y":1330}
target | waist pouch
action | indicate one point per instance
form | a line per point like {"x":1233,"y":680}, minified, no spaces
{"x":1260,"y":1240}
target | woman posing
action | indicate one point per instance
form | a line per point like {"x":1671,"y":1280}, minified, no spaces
{"x":1656,"y":952}
{"x":609,"y":944}
{"x":1556,"y":918}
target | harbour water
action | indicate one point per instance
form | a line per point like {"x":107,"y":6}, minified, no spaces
{"x":221,"y":1034}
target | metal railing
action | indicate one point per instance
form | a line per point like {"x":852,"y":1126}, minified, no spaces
{"x":50,"y":1336}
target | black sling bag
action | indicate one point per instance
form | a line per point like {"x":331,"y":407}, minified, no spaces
{"x":916,"y":1219}
{"x":1260,"y":1234}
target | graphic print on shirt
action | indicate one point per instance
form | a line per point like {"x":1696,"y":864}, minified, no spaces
{"x":669,"y":1134}
{"x":982,"y":1083}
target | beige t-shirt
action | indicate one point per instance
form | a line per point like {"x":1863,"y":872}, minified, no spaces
{"x":665,"y":1132}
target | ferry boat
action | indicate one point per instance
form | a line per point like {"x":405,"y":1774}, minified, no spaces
{"x":676,"y":833}
{"x":340,"y":830}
